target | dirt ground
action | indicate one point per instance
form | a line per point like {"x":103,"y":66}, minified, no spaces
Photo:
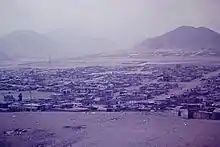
{"x":131,"y":129}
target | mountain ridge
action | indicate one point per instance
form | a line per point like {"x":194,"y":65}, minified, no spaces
{"x":30,"y":44}
{"x":20,"y":44}
{"x":184,"y":37}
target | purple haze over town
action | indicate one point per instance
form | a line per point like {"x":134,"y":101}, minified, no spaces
{"x":105,"y":73}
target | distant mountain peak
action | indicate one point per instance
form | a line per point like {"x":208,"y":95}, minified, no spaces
{"x":186,"y":27}
{"x":192,"y":28}
{"x":184,"y":37}
{"x":27,"y":44}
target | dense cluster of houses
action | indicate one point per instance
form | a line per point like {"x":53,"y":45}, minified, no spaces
{"x":123,"y":88}
{"x":201,"y":102}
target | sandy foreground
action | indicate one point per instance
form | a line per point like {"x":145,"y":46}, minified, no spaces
{"x":101,"y":129}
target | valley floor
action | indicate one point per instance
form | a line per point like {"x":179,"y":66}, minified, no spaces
{"x":133,"y":129}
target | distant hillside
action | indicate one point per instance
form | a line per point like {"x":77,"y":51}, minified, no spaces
{"x":80,"y":44}
{"x":184,"y":37}
{"x":56,"y":44}
{"x":27,"y":44}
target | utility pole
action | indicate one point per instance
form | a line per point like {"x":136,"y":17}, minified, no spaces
{"x":50,"y":61}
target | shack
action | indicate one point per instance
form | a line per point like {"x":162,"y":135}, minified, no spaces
{"x":216,"y":114}
{"x":202,"y":115}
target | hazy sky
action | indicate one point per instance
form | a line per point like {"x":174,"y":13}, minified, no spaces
{"x":123,"y":21}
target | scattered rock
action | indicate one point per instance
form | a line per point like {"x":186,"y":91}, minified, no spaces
{"x":15,"y":132}
{"x":115,"y":118}
{"x":75,"y":128}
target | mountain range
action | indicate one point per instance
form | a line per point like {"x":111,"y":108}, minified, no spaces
{"x":67,"y":43}
{"x":56,"y":44}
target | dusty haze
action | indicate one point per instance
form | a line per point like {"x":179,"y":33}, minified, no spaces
{"x":126,"y":22}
